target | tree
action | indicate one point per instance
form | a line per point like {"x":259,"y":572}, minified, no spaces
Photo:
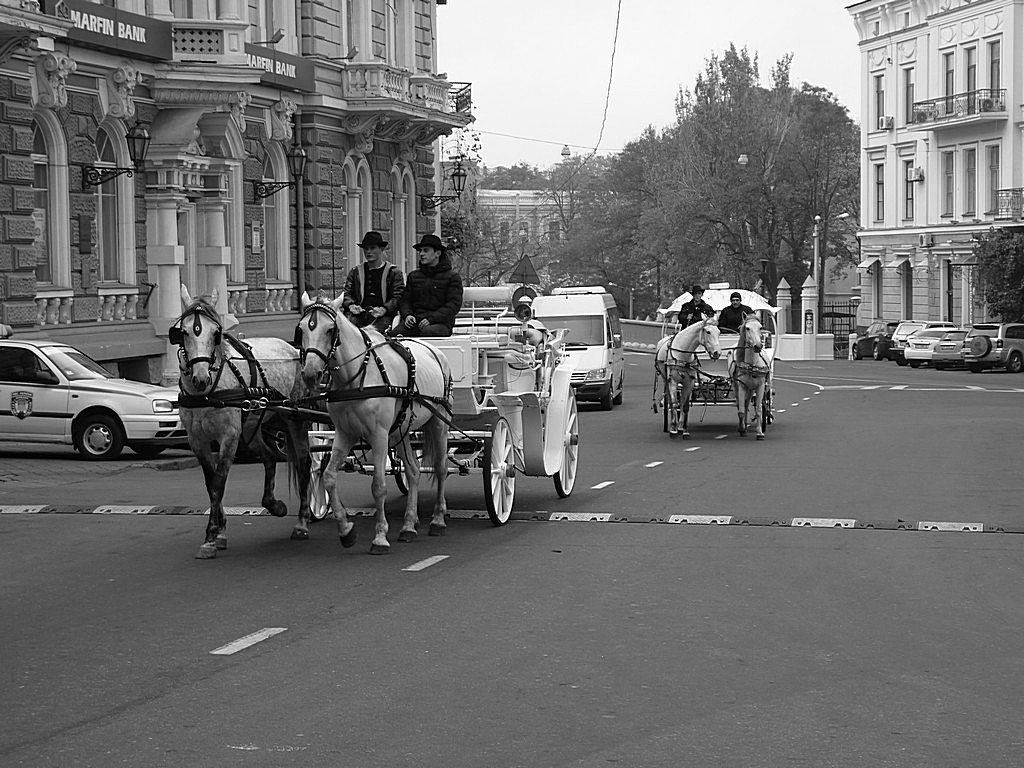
{"x":1001,"y":266}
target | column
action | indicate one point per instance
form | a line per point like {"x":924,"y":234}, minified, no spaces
{"x":213,"y":255}
{"x":784,"y":301}
{"x":165,"y":258}
{"x":809,"y":318}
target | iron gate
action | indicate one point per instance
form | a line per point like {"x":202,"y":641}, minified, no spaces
{"x":840,"y":319}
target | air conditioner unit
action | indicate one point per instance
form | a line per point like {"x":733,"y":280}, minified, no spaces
{"x":915,"y":174}
{"x":986,"y":105}
{"x":924,"y":240}
{"x":921,"y":115}
{"x":885,"y":123}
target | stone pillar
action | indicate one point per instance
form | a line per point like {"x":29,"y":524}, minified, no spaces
{"x":213,"y":255}
{"x":165,"y":257}
{"x":809,"y":322}
{"x":784,"y":301}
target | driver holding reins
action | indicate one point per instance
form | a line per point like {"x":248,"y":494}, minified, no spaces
{"x":732,"y":317}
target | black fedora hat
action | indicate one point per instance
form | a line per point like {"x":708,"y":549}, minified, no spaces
{"x":373,"y":238}
{"x":430,"y":241}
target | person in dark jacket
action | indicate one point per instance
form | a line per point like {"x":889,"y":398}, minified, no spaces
{"x":732,"y":317}
{"x":433,"y":293}
{"x":695,"y":308}
{"x":373,"y":289}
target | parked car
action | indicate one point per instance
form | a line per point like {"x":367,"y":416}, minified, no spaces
{"x":907,"y":327}
{"x":53,"y":393}
{"x":995,"y":345}
{"x":874,"y":342}
{"x":921,"y":346}
{"x":948,"y":353}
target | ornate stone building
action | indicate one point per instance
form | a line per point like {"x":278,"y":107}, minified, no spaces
{"x":942,"y":157}
{"x":94,"y":255}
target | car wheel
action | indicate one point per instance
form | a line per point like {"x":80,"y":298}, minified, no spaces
{"x":606,"y":400}
{"x":98,"y":437}
{"x":148,"y":451}
{"x":617,"y":400}
{"x":900,"y":361}
{"x":876,"y":352}
{"x":1014,"y":363}
{"x":856,"y":352}
{"x":974,"y":368}
{"x":914,"y":363}
{"x":980,"y":346}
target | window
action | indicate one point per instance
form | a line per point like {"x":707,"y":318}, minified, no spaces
{"x":270,"y":225}
{"x":41,"y":206}
{"x":879,"y":191}
{"x":970,"y":181}
{"x":908,"y":190}
{"x":994,"y":66}
{"x":908,"y":95}
{"x":993,"y":179}
{"x":106,"y":211}
{"x":947,"y":183}
{"x":971,"y":78}
{"x":949,"y":81}
{"x":879,"y":97}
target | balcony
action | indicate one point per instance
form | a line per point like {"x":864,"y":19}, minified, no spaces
{"x":984,"y":105}
{"x":1010,"y":204}
{"x":374,"y":87}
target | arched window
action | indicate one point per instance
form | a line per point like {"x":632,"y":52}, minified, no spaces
{"x":271,"y":225}
{"x":106,"y":211}
{"x":42,"y":206}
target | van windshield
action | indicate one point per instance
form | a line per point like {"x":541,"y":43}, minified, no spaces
{"x":584,"y":330}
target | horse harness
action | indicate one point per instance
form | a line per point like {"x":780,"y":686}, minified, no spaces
{"x":343,"y":391}
{"x":752,"y":368}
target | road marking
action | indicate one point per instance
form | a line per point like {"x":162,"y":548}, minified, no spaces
{"x":823,"y":522}
{"x":780,"y":410}
{"x":23,"y":510}
{"x":580,"y":517}
{"x":807,"y":398}
{"x":899,"y":386}
{"x":691,"y":450}
{"x":701,"y":519}
{"x":794,"y":405}
{"x":926,"y":525}
{"x":244,"y":642}
{"x":873,"y":386}
{"x":654,"y":464}
{"x":605,"y":484}
{"x":426,"y":563}
{"x":124,"y":509}
{"x":720,"y":437}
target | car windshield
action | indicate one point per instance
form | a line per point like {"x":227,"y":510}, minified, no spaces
{"x":931,"y":333}
{"x":76,"y":365}
{"x":876,"y":327}
{"x":955,"y":336}
{"x":585,"y":330}
{"x":908,"y":328}
{"x":980,"y":330}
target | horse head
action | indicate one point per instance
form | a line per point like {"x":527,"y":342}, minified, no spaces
{"x":709,"y":338}
{"x":198,"y":333}
{"x":750,"y":334}
{"x":317,"y":336}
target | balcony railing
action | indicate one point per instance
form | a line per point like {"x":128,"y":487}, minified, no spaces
{"x":982,"y":103}
{"x":1010,"y":203}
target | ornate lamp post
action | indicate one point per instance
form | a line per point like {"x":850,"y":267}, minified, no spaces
{"x":138,"y":139}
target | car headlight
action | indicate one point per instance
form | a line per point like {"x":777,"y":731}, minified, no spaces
{"x":597,"y":374}
{"x":163,"y":406}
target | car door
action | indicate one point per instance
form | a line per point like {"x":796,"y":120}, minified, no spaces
{"x":616,"y":358}
{"x":33,"y":397}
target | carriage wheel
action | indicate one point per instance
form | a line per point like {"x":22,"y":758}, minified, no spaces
{"x":565,"y":477}
{"x":766,"y":408}
{"x":499,"y":473}
{"x":664,"y":412}
{"x":398,"y":470}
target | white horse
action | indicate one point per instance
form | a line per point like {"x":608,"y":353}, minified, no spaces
{"x":750,"y":370}
{"x":676,"y":364}
{"x":381,"y":390}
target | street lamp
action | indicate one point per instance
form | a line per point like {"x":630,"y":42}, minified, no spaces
{"x":138,"y":139}
{"x":458,"y":178}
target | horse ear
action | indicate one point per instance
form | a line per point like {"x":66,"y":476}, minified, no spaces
{"x":338,"y":302}
{"x":305,"y":301}
{"x":186,"y":297}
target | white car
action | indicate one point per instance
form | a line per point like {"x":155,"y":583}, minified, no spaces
{"x":53,"y":393}
{"x":922,"y":345}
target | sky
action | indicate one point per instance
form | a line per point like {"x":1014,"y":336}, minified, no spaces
{"x":540,"y":68}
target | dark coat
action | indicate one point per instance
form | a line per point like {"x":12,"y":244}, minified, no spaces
{"x":394,"y":284}
{"x":692,"y":310}
{"x":732,"y":317}
{"x":433,"y":294}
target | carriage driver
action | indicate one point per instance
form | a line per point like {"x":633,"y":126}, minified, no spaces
{"x":732,"y":317}
{"x":372,"y":289}
{"x":692,"y":311}
{"x":433,"y":293}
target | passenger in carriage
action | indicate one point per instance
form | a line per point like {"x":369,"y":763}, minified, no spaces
{"x":433,"y":293}
{"x":372,"y":289}
{"x":732,"y":317}
{"x":696,"y":308}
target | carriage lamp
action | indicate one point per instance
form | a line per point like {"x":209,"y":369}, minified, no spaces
{"x":138,"y":139}
{"x":297,"y":158}
{"x":458,"y":178}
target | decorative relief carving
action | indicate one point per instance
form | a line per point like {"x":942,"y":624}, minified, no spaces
{"x":947,"y":34}
{"x":281,"y":113}
{"x":407,"y":151}
{"x":10,"y":45}
{"x":908,"y":50}
{"x":121,"y":84}
{"x":50,"y":83}
{"x":993,"y":21}
{"x":238,"y":104}
{"x":876,"y":57}
{"x":969,"y":28}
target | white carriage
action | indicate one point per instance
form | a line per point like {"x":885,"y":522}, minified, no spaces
{"x":514,"y":411}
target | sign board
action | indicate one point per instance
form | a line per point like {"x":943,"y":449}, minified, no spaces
{"x":281,"y":69}
{"x":129,"y":34}
{"x":257,"y":237}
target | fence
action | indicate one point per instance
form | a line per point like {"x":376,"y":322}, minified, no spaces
{"x":838,"y":318}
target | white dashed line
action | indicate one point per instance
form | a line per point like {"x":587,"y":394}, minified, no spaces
{"x":654,"y":464}
{"x":794,"y":405}
{"x":426,"y":563}
{"x":806,"y":399}
{"x":720,"y":437}
{"x":605,"y":484}
{"x":244,"y":642}
{"x":691,"y":450}
{"x":899,"y":386}
{"x":781,"y":410}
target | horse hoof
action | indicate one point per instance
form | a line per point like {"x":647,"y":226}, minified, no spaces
{"x":685,"y":435}
{"x":221,"y":542}
{"x":673,"y":435}
{"x":278,"y":509}
{"x":407,"y":536}
{"x":438,"y":530}
{"x":206,"y":552}
{"x":300,"y":535}
{"x":760,"y":437}
{"x":378,"y":549}
{"x":349,"y":539}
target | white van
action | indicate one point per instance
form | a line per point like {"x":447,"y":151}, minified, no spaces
{"x":594,"y":343}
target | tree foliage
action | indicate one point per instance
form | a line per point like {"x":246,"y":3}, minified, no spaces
{"x":1001,"y":270}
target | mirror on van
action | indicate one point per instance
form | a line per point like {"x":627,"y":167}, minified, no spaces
{"x":616,"y":340}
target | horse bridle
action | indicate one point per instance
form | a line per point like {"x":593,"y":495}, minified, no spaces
{"x":176,"y":335}
{"x":741,"y":358}
{"x":672,"y":351}
{"x":311,"y":312}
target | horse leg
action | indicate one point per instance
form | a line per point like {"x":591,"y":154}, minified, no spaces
{"x":672,"y":391}
{"x":741,"y":407}
{"x":379,"y":446}
{"x":339,"y":452}
{"x":437,"y":435}
{"x":215,"y":471}
{"x":687,"y":393}
{"x":300,"y":464}
{"x":273,"y":505}
{"x":758,"y":398}
{"x":412,"y":480}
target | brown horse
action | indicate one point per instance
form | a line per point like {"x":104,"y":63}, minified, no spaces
{"x":381,"y":391}
{"x":226,"y":386}
{"x":676,"y":364}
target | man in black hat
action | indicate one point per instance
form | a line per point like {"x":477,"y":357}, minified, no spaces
{"x":695,"y":308}
{"x":372,"y":289}
{"x":433,"y":293}
{"x":732,"y":317}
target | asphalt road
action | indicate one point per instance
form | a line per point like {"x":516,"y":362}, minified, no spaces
{"x":545,"y":643}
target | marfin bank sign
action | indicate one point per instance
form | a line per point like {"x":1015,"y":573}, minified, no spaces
{"x":110,"y":29}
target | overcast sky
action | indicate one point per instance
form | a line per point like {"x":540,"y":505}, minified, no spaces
{"x":539,"y":68}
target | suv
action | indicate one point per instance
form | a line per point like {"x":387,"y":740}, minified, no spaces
{"x":995,"y":345}
{"x":899,"y":337}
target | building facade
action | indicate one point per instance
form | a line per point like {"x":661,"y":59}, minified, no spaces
{"x":941,"y":164}
{"x":227,"y":90}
